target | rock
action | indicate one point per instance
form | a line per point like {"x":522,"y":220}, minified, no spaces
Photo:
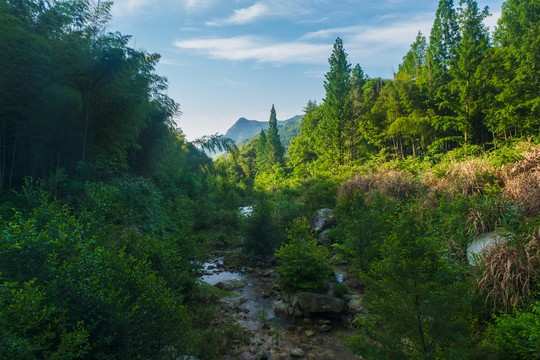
{"x":324,"y":322}
{"x":242,"y":301}
{"x":281,"y":309}
{"x":351,"y":297}
{"x":267,"y":273}
{"x":324,"y":238}
{"x":320,"y":304}
{"x":356,"y":306}
{"x":322,"y":219}
{"x":307,"y":321}
{"x":474,"y":250}
{"x":309,"y":333}
{"x":325,"y":328}
{"x":230,"y":285}
{"x":211,"y":267}
{"x":297,"y":352}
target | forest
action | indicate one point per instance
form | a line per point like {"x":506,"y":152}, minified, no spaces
{"x":108,"y":213}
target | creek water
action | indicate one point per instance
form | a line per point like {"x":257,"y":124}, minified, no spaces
{"x":271,"y":336}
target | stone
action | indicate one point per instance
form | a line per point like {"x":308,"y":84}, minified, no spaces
{"x":325,"y":238}
{"x":230,"y":285}
{"x":309,"y":333}
{"x":325,"y":328}
{"x":307,"y":321}
{"x":475,"y":249}
{"x":297,"y":352}
{"x":322,"y":219}
{"x":314,"y":303}
{"x":324,"y":322}
{"x":281,"y":310}
{"x":351,"y":297}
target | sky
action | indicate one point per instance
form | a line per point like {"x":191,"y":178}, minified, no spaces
{"x":226,"y":59}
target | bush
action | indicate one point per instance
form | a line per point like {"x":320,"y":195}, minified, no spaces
{"x":517,"y":337}
{"x":104,"y":283}
{"x":262,"y":233}
{"x":304,"y":264}
{"x":340,"y":290}
{"x":417,"y":298}
{"x":362,"y":224}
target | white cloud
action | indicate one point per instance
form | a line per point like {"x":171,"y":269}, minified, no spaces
{"x":243,"y":16}
{"x":253,"y":48}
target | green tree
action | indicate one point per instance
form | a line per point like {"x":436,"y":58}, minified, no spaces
{"x":517,"y":81}
{"x":261,"y":150}
{"x":417,"y":298}
{"x":414,"y":60}
{"x":464,"y":94}
{"x":337,"y":106}
{"x":274,"y":147}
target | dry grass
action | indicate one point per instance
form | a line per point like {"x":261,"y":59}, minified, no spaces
{"x":510,"y":273}
{"x":522,"y":182}
{"x":396,"y":184}
{"x":466,"y":178}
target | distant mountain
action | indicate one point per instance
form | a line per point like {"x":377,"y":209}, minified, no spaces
{"x":245,"y":129}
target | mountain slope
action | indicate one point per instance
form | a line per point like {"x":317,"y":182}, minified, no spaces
{"x":245,"y":129}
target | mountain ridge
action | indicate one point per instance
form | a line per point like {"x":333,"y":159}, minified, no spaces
{"x":244,"y":129}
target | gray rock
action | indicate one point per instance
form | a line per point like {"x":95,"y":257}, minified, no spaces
{"x":230,"y":285}
{"x":321,"y":304}
{"x":477,"y":246}
{"x":322,"y":219}
{"x":324,"y":237}
{"x":297,"y":352}
{"x":351,"y":297}
{"x":281,"y":310}
{"x":325,"y":328}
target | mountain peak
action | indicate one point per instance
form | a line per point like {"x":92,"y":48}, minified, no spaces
{"x":244,"y":129}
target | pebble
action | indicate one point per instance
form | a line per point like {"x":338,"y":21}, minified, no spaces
{"x":325,"y":328}
{"x":297,"y":352}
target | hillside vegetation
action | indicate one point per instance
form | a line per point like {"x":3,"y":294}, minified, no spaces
{"x":108,"y":213}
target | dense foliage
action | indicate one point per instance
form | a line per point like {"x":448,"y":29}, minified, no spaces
{"x":107,"y":212}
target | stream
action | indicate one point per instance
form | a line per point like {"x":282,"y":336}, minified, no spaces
{"x":273,"y":337}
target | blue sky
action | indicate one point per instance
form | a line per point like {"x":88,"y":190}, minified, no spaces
{"x":225,"y":59}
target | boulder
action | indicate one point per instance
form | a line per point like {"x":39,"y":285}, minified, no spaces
{"x":313,"y":303}
{"x":474,"y":250}
{"x":324,"y":238}
{"x":230,"y":285}
{"x":281,"y":310}
{"x":322,"y":219}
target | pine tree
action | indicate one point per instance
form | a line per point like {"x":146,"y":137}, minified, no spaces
{"x":464,"y":93}
{"x":338,"y":111}
{"x":518,"y":79}
{"x":274,"y":147}
{"x":261,"y":152}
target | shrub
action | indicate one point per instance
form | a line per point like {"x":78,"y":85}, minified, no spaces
{"x":417,"y":298}
{"x":517,"y":337}
{"x":262,"y":233}
{"x":304,"y":264}
{"x":362,"y":224}
{"x":340,"y":290}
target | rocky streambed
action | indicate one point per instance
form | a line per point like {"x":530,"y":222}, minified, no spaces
{"x":281,"y":326}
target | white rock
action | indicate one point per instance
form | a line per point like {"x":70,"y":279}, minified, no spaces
{"x":474,"y":250}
